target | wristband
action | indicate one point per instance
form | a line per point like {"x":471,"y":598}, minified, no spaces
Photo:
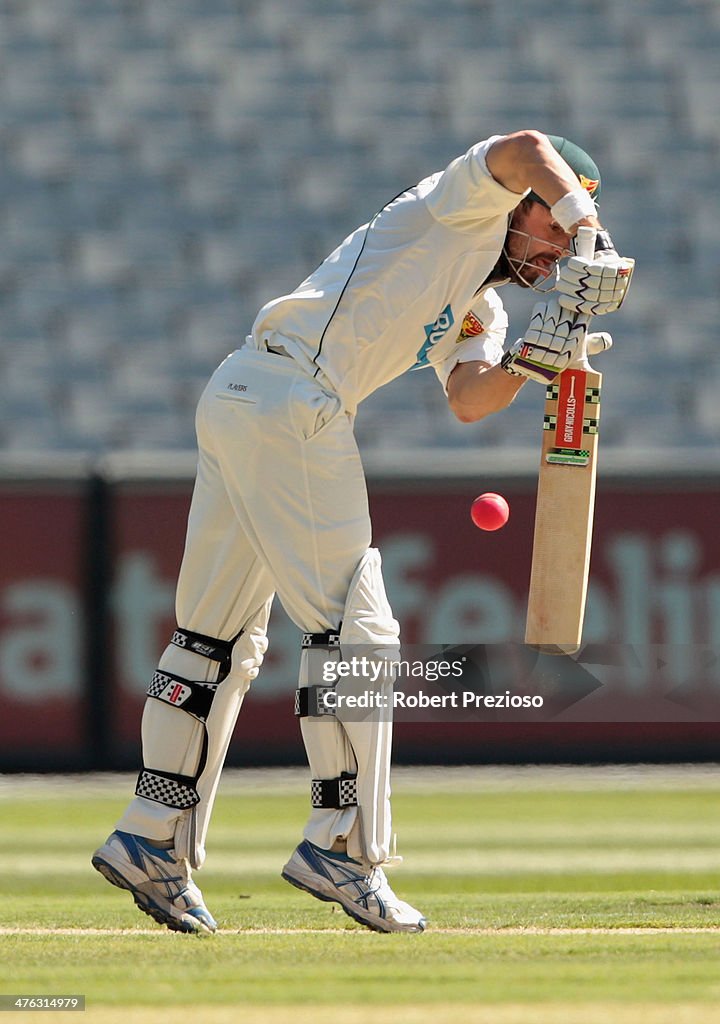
{"x":573,"y":207}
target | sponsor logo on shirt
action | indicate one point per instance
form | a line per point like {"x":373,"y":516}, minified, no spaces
{"x":433,"y":334}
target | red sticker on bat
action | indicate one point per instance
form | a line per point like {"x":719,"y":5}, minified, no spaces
{"x":571,"y":405}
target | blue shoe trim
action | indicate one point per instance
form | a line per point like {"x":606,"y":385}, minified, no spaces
{"x":133,"y":844}
{"x":149,"y":906}
{"x":314,"y":856}
{"x":202,"y":915}
{"x":316,"y":859}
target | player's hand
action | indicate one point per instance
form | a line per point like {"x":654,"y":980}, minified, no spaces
{"x":551,"y":342}
{"x":598,"y":285}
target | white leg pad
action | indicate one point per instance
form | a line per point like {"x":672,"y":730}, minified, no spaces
{"x":357,"y":747}
{"x":177,"y":743}
{"x":329,"y":754}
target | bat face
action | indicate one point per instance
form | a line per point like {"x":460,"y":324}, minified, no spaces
{"x":564,"y":513}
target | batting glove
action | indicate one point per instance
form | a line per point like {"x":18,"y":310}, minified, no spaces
{"x":552,"y":341}
{"x":595,"y":286}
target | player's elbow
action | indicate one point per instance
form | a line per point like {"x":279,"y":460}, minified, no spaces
{"x":514,"y":159}
{"x":463,"y":416}
{"x":466,"y":413}
{"x":484,"y":404}
{"x":470,"y":394}
{"x":525,"y":146}
{"x":531,"y":141}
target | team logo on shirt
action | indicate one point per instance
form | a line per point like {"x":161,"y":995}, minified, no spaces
{"x":471,"y":327}
{"x":433,"y":334}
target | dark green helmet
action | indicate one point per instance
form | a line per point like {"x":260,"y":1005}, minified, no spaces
{"x":583,"y":165}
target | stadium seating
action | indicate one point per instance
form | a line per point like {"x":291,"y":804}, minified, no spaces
{"x":170,"y":167}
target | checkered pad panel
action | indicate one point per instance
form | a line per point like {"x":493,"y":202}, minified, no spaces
{"x":334,"y":793}
{"x":157,"y":684}
{"x":193,"y":697}
{"x":170,"y":790}
{"x":310,"y":701}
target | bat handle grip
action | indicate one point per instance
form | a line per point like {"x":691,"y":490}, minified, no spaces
{"x":585,"y":242}
{"x":585,"y":247}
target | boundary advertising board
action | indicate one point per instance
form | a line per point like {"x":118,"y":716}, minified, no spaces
{"x":86,"y":605}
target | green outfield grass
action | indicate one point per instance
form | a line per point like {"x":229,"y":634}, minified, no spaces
{"x":554,"y":897}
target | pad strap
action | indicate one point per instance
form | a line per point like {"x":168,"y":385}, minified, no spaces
{"x":194,"y":697}
{"x":206,"y":646}
{"x":334,"y":793}
{"x":330,"y":638}
{"x":310,"y":702}
{"x":167,"y":788}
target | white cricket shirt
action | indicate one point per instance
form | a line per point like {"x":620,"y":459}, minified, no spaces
{"x":404,"y":290}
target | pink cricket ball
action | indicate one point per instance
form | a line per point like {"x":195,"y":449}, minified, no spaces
{"x":490,"y":511}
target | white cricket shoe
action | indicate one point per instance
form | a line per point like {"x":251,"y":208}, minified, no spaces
{"x":362,"y":892}
{"x":159,"y":883}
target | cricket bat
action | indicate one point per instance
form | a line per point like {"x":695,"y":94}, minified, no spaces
{"x":565,"y":502}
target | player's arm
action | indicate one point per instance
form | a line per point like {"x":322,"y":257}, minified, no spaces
{"x":475,"y":390}
{"x":527,"y":160}
{"x":554,"y":336}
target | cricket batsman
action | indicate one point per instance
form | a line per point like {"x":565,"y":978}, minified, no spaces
{"x":280,"y":503}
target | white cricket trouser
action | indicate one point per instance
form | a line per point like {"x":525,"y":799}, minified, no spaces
{"x":280,"y":502}
{"x":279,"y":505}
